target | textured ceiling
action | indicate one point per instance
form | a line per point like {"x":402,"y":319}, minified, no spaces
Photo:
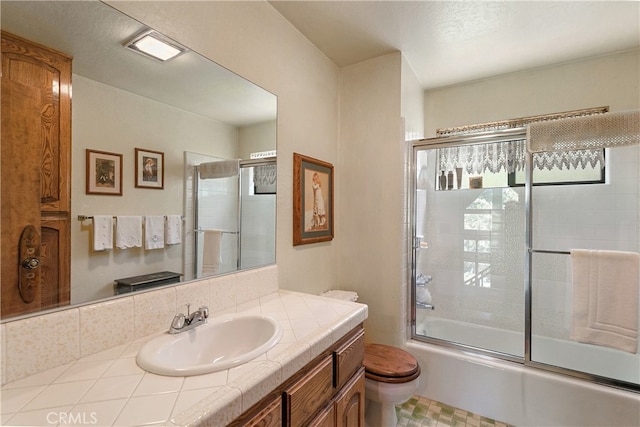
{"x":449,"y":42}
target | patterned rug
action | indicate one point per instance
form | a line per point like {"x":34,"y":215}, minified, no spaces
{"x":420,"y":412}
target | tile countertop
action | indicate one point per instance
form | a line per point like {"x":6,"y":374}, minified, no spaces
{"x":109,"y":389}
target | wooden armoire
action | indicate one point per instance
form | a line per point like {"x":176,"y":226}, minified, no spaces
{"x":35,"y":177}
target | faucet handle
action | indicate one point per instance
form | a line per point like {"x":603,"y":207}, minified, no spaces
{"x":204,"y":310}
{"x":178,"y":321}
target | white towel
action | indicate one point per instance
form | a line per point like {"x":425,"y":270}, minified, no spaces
{"x":102,"y":233}
{"x":128,"y":232}
{"x":154,"y":232}
{"x":174,"y":229}
{"x":211,"y":252}
{"x":219,"y":169}
{"x":605,"y":298}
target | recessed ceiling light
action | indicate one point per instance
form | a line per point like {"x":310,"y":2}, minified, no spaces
{"x":154,"y":45}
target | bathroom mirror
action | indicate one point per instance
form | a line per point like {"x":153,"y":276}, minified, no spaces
{"x":184,"y":111}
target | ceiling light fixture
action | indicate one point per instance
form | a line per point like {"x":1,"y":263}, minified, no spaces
{"x":154,"y":45}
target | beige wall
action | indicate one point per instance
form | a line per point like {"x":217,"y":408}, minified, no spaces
{"x":119,"y":123}
{"x":253,"y":40}
{"x":611,"y":80}
{"x":256,"y":138}
{"x":369,"y":220}
{"x":352,"y":118}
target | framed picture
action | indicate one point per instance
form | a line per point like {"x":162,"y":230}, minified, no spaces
{"x":104,"y":173}
{"x":149,"y":169}
{"x":312,"y":200}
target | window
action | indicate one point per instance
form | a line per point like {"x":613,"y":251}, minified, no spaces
{"x":502,"y":164}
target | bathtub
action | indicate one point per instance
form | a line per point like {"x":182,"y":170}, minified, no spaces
{"x":518,"y":394}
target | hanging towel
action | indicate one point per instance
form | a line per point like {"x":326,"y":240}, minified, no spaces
{"x":102,"y":233}
{"x":128,"y":232}
{"x":219,"y":169}
{"x":154,"y":232}
{"x":211,"y":252}
{"x":605,"y":298}
{"x":174,"y":229}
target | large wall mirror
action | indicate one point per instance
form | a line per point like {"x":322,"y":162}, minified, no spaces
{"x":210,"y":134}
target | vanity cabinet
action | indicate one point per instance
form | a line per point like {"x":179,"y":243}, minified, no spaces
{"x":327,"y":392}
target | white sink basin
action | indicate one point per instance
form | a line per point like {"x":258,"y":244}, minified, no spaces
{"x":222,"y":343}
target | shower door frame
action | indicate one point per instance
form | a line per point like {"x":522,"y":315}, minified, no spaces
{"x":519,"y":133}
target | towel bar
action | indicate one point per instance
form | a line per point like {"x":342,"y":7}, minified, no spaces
{"x":202,"y":230}
{"x":543,"y":251}
{"x":89,"y":217}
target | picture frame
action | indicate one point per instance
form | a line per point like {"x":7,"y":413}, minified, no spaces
{"x":149,"y":169}
{"x":313,"y":183}
{"x":104,"y":173}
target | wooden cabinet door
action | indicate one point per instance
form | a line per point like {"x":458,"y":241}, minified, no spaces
{"x":271,"y":416}
{"x":310,"y":394}
{"x":350,"y":402}
{"x":326,"y":418}
{"x":36,"y":171}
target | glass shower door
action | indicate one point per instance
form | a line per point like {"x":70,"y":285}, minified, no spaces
{"x":468,"y":256}
{"x":603,"y":217}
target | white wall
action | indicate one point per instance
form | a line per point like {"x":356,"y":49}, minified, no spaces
{"x":141,"y":123}
{"x":255,"y":41}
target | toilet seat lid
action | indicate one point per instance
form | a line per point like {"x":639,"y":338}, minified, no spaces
{"x":384,"y":361}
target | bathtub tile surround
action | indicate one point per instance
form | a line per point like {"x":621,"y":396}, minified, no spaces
{"x":111,"y":389}
{"x":422,"y":412}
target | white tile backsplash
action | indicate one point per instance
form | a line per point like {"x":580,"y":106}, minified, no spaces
{"x":39,"y":343}
{"x":153,"y":311}
{"x":3,"y":352}
{"x":42,"y":342}
{"x":105,"y":325}
{"x":110,"y":386}
{"x":196,"y":294}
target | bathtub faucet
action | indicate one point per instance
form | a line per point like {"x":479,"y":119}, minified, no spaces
{"x":182,"y":323}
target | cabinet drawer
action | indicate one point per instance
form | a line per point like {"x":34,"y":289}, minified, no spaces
{"x":348,"y":358}
{"x":310,"y":394}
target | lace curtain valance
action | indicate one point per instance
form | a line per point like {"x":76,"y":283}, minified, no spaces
{"x":509,"y":156}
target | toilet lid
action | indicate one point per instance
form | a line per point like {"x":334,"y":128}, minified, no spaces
{"x":389,"y":364}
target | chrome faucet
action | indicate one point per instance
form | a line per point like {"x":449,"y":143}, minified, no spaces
{"x":182,"y":323}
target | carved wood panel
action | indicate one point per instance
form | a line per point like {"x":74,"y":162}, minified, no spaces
{"x":36,"y":171}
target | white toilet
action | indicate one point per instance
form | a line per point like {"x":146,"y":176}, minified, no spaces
{"x":391,"y":376}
